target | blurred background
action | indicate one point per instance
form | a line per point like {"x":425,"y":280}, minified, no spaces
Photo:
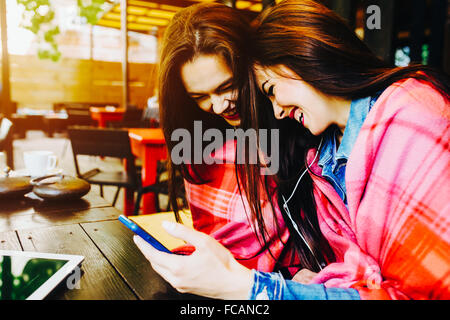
{"x":94,"y":62}
{"x":74,"y":50}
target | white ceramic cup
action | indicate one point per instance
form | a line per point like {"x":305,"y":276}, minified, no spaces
{"x":2,"y":162}
{"x":39,"y":163}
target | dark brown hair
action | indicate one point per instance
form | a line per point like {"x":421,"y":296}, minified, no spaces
{"x":211,"y":28}
{"x":323,"y":50}
{"x":208,"y":29}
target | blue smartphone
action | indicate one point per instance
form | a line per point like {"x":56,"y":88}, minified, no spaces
{"x":143,"y":234}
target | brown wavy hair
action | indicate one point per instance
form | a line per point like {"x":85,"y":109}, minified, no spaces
{"x":209,"y":28}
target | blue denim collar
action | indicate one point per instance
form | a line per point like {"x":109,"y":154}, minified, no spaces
{"x":358,"y":112}
{"x":328,"y":150}
{"x":359,"y":109}
{"x":333,"y":159}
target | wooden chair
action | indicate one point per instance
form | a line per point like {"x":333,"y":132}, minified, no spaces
{"x":78,"y":115}
{"x":78,"y":112}
{"x":132,"y":118}
{"x":161,"y":187}
{"x":113,"y":143}
{"x":105,"y":143}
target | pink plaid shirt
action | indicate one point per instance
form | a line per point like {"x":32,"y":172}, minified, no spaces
{"x":393,"y":242}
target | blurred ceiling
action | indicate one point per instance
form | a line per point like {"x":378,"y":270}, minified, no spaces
{"x":145,"y":15}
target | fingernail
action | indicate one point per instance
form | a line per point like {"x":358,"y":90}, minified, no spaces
{"x":136,"y":239}
{"x":169,"y":226}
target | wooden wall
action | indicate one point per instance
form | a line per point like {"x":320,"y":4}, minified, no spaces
{"x":39,"y":83}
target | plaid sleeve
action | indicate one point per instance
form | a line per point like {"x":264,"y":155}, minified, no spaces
{"x":394,"y":241}
{"x":220,"y":210}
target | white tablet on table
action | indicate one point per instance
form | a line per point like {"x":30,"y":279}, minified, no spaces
{"x":33,"y":275}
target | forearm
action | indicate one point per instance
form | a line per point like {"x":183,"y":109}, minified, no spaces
{"x":272,"y":286}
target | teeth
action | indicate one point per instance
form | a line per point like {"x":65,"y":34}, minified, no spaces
{"x":231,"y":112}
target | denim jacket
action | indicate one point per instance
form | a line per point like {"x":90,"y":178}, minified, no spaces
{"x":333,"y":159}
{"x":273,"y":286}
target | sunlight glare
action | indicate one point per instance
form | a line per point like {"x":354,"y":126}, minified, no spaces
{"x":19,"y":39}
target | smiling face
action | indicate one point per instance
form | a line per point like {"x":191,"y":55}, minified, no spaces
{"x":209,"y":81}
{"x":295,"y":98}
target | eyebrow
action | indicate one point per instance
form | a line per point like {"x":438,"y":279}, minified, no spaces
{"x":221,"y":87}
{"x":224,"y":85}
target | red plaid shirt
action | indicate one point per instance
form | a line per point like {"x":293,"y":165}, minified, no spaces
{"x":221,"y":211}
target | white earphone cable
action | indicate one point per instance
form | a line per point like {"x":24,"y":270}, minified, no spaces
{"x":286,"y":208}
{"x":306,"y":170}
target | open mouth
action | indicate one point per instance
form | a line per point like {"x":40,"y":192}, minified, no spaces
{"x":294,"y":114}
{"x":230,"y":114}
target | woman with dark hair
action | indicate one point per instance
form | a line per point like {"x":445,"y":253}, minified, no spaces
{"x":202,"y":50}
{"x":379,"y":166}
{"x":383,"y":148}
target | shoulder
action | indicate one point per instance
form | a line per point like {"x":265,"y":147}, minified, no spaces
{"x":226,"y":153}
{"x":219,"y":166}
{"x":412,"y":97}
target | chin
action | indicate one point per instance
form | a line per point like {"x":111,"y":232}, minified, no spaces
{"x":233,"y":123}
{"x":313,"y":131}
{"x":316,"y":131}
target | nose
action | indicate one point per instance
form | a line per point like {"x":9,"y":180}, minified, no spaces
{"x":278,"y":111}
{"x":219,"y":104}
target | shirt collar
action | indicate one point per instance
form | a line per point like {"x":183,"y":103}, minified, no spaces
{"x":328,"y":150}
{"x":359,"y":109}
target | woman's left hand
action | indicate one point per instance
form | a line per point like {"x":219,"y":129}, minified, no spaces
{"x":210,"y":271}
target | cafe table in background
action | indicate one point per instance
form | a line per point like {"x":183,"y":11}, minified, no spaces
{"x":149,"y":145}
{"x":104,"y":114}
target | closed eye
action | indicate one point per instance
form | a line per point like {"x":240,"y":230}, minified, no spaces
{"x":224,"y":87}
{"x":269,"y":91}
{"x":198,"y":97}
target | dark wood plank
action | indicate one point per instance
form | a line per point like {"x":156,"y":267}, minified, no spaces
{"x":9,"y":241}
{"x":99,"y":280}
{"x":21,"y":220}
{"x":116,"y":243}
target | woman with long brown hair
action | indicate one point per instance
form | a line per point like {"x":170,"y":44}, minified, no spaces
{"x":369,"y":116}
{"x":203,"y":52}
{"x":379,"y":166}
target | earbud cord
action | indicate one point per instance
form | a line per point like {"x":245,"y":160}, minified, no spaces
{"x":286,"y":208}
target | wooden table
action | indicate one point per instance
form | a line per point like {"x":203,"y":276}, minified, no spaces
{"x":149,"y":145}
{"x":55,"y":122}
{"x":25,"y":122}
{"x":113,"y":267}
{"x":104,"y":114}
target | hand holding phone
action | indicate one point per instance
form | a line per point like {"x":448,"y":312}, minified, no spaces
{"x":143,"y":234}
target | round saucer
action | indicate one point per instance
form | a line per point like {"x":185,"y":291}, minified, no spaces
{"x":24,"y":173}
